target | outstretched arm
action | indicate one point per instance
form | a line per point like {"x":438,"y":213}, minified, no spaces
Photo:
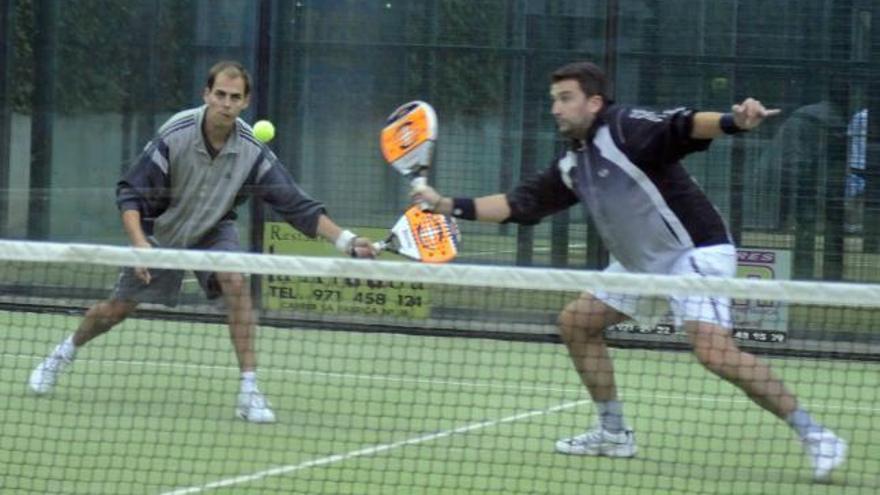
{"x":743,"y":117}
{"x":277,"y":188}
{"x":494,"y":208}
{"x":534,"y":198}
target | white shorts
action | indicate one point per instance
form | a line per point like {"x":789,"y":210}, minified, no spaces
{"x":711,"y":261}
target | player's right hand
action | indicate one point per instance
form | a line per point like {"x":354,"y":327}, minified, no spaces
{"x":362,"y":247}
{"x":425,"y":195}
{"x":141,"y":272}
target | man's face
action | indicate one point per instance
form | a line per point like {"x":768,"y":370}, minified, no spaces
{"x":573,"y":110}
{"x":226,"y":100}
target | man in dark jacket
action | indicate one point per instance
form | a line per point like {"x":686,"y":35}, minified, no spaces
{"x":624,"y":166}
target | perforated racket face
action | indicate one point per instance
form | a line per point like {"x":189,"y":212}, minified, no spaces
{"x":407,"y":139}
{"x":436,"y":235}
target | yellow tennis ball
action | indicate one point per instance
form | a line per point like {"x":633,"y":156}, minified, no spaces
{"x":264,"y":130}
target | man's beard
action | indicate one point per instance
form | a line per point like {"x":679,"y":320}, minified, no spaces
{"x":572,"y":132}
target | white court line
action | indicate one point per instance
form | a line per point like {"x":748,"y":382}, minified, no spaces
{"x":484,"y":385}
{"x":332,"y":459}
{"x":321,"y":374}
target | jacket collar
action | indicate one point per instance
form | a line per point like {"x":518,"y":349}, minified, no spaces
{"x":233,"y":142}
{"x":600,"y":120}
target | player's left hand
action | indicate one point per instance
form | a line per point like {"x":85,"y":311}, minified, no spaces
{"x":750,"y":113}
{"x":362,"y":247}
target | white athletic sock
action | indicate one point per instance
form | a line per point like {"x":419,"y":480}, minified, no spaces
{"x":803,"y":423}
{"x":248,"y":381}
{"x":66,"y":349}
{"x":611,"y":415}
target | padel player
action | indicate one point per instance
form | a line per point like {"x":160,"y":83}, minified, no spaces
{"x":182,"y":193}
{"x":623,"y":165}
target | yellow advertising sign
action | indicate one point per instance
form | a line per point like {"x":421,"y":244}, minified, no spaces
{"x":335,"y":295}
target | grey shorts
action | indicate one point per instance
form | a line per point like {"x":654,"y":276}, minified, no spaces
{"x":164,"y":286}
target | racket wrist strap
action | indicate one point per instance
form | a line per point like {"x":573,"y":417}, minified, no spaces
{"x":464,"y":208}
{"x":728,"y":124}
{"x":345,"y":241}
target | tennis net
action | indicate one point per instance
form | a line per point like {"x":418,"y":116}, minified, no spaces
{"x":394,"y":377}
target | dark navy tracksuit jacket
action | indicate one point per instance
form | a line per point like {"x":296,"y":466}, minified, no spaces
{"x":629,"y":177}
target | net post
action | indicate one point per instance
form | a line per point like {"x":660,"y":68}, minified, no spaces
{"x":6,"y":25}
{"x":257,"y":209}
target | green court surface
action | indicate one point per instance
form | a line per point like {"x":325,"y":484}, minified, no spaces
{"x":149,"y":409}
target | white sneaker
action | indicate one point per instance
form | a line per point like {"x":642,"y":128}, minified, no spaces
{"x":827,"y":451}
{"x":45,"y":375}
{"x":253,"y":407}
{"x":600,"y":442}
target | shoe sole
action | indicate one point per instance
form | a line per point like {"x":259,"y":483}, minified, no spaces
{"x":623,"y":453}
{"x":242,"y":415}
{"x":39,"y":391}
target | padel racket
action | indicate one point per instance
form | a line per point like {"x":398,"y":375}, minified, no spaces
{"x":407,"y":140}
{"x":423,"y":236}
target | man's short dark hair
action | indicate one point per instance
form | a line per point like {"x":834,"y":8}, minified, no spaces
{"x":590,"y":77}
{"x":232,"y":69}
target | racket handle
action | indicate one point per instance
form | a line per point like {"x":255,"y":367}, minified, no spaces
{"x":417,"y":183}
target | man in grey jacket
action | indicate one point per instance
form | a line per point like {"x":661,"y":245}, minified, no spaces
{"x":182,"y":193}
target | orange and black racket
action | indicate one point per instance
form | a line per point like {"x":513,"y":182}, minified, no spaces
{"x":408,"y":138}
{"x":423,"y":236}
